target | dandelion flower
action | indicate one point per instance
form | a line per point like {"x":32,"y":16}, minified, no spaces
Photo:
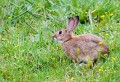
{"x":111,"y":14}
{"x":86,"y":80}
{"x":72,"y":78}
{"x":60,"y":45}
{"x":100,"y":43}
{"x":87,"y":56}
{"x":102,"y":16}
{"x":9,"y":17}
{"x":89,"y":63}
{"x":100,"y":69}
{"x":38,"y":4}
{"x":105,"y":54}
{"x":77,"y":51}
{"x":106,"y":34}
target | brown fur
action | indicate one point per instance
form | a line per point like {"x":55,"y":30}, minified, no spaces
{"x":87,"y":44}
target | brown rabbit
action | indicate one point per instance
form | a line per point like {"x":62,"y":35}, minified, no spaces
{"x":81,"y":48}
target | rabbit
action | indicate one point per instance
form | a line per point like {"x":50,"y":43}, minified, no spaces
{"x":81,"y":48}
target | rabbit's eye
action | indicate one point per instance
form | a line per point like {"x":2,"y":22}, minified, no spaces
{"x":60,"y":32}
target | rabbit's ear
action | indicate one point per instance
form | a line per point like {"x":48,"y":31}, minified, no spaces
{"x":72,"y":23}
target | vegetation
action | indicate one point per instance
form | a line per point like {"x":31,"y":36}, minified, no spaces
{"x":29,"y":54}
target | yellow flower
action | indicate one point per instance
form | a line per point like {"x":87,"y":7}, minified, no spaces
{"x":72,"y":78}
{"x":89,"y":63}
{"x":100,"y":69}
{"x":77,"y":51}
{"x":86,"y":80}
{"x":111,"y":14}
{"x":38,"y":4}
{"x":3,"y":39}
{"x":100,"y":43}
{"x":105,"y":54}
{"x":102,"y":16}
{"x":106,"y":34}
{"x":60,"y":45}
{"x":87,"y":56}
{"x":113,"y":58}
{"x":9,"y":17}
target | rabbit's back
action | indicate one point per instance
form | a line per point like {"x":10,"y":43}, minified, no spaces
{"x":83,"y":47}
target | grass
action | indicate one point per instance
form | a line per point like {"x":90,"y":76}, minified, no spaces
{"x":28,"y":53}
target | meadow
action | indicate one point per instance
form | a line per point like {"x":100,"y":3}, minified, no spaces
{"x":29,"y":54}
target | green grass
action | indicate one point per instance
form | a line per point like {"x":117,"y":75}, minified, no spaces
{"x":28,"y":53}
